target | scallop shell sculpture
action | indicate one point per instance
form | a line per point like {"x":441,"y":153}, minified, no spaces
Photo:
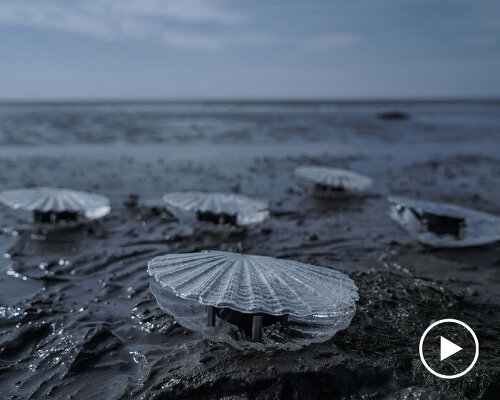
{"x":333,"y":181}
{"x":56,"y":205}
{"x":253,"y":301}
{"x":444,"y":225}
{"x":217,"y":209}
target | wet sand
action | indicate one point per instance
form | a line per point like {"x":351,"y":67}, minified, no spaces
{"x":76,"y":314}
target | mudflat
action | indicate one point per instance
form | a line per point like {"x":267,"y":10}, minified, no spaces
{"x":77,"y":318}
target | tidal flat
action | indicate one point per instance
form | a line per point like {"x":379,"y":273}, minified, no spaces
{"x":77,"y":319}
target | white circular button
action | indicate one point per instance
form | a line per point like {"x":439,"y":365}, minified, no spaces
{"x":448,"y":348}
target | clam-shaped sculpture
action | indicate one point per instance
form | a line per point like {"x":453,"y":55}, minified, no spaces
{"x":332,"y":181}
{"x":253,"y":301}
{"x":444,"y":225}
{"x":216,"y":209}
{"x":55,"y":205}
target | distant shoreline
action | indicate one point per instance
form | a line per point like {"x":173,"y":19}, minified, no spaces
{"x":251,"y":101}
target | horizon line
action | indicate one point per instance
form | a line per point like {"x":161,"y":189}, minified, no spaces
{"x":250,"y":100}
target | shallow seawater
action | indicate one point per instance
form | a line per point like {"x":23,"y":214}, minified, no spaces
{"x":76,"y":315}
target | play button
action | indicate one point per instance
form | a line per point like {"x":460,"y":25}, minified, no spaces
{"x":448,"y":346}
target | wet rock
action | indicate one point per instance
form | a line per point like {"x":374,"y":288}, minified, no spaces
{"x":132,"y":201}
{"x":420,"y":393}
{"x":374,"y":358}
{"x":393,"y":116}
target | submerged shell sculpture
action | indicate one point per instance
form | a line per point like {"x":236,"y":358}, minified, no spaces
{"x":253,"y":301}
{"x":217,"y":208}
{"x":55,"y":205}
{"x":333,"y":181}
{"x":444,"y":225}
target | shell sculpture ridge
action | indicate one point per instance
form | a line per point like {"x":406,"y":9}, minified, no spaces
{"x":444,"y":225}
{"x":253,"y":301}
{"x":216,"y":209}
{"x":51,"y":205}
{"x":333,"y":181}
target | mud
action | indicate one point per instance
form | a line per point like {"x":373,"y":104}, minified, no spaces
{"x":77,"y":319}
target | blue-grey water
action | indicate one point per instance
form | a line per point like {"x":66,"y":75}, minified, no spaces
{"x":76,"y":315}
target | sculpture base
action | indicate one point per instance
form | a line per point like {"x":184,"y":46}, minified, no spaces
{"x":53,"y":217}
{"x":218,"y":219}
{"x":441,"y":225}
{"x":325,"y":189}
{"x":251,"y":324}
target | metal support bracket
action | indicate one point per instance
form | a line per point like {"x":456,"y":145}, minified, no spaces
{"x":257,"y":327}
{"x":210,"y":316}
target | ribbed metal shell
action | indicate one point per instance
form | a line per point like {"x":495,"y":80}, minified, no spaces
{"x":255,"y":284}
{"x":333,"y":177}
{"x":248,"y":211}
{"x":214,"y":202}
{"x":56,"y":199}
{"x":443,"y":209}
{"x":479,"y":228}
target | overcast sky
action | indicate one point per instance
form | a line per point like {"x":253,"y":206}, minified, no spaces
{"x":57,"y":49}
